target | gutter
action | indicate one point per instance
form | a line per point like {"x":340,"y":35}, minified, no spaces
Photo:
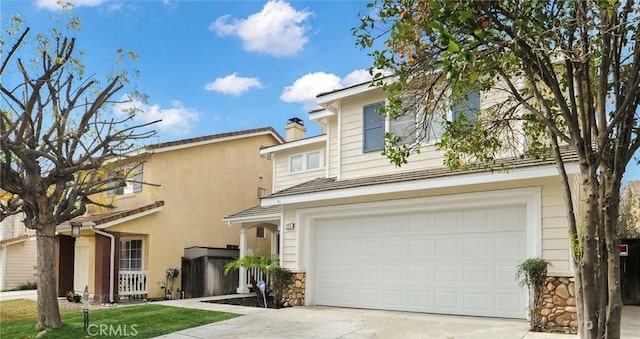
{"x":111,"y":258}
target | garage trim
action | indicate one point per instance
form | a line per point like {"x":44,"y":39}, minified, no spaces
{"x":531,"y":197}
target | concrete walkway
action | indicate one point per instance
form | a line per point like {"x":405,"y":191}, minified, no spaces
{"x":334,"y":322}
{"x":12,"y":295}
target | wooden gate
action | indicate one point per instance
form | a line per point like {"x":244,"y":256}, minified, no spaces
{"x":204,"y":277}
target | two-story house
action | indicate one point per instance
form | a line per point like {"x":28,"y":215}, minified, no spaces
{"x":17,"y":253}
{"x":189,"y":186}
{"x":359,"y":232}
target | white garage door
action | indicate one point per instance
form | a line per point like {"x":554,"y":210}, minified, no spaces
{"x":449,"y":262}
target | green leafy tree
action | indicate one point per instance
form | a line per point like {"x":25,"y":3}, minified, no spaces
{"x":568,"y":74}
{"x":56,"y":138}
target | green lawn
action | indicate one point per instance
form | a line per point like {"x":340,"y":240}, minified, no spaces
{"x":143,"y":321}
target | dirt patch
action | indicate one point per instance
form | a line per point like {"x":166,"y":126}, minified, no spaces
{"x":246,"y":301}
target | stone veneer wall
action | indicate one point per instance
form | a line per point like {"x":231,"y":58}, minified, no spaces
{"x":294,"y":295}
{"x":558,"y":312}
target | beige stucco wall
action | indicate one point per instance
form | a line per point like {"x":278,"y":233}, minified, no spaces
{"x":200,"y":186}
{"x":19,"y":263}
{"x":555,"y":243}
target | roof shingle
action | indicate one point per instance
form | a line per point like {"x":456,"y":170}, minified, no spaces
{"x":328,"y":184}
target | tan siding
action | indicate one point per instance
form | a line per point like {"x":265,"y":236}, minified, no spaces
{"x":355,"y":163}
{"x":21,"y":258}
{"x":290,"y":240}
{"x":332,"y":143}
{"x":284,"y":178}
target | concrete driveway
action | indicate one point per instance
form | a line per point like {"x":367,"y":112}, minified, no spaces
{"x":333,"y":322}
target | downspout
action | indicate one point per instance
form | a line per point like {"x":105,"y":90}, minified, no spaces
{"x":112,"y":258}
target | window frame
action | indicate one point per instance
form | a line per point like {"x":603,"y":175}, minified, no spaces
{"x":365,"y":128}
{"x":133,"y":183}
{"x":130,"y":239}
{"x":264,"y":232}
{"x":305,"y":161}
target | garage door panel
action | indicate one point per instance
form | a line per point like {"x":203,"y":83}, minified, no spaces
{"x":454,"y":262}
{"x":446,"y":247}
{"x":448,"y":222}
{"x":476,"y":274}
{"x":477,"y":220}
{"x":476,"y":301}
{"x":394,"y":274}
{"x":421,"y":224}
{"x":510,"y":218}
{"x":477,"y":246}
{"x":420,"y":247}
{"x":421,"y":273}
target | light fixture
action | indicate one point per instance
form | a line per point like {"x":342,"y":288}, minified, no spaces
{"x":75,"y":229}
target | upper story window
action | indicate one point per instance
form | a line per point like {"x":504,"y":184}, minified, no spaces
{"x":373,"y":128}
{"x":306,"y":161}
{"x":133,"y":183}
{"x":467,"y":107}
{"x":406,"y":125}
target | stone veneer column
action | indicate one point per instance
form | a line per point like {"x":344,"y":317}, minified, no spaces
{"x":294,"y":295}
{"x":558,"y":310}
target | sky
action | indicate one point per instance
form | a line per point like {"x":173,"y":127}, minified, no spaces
{"x":211,"y":66}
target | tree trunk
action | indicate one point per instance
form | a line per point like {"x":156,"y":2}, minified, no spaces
{"x":48,"y":310}
{"x":598,"y":277}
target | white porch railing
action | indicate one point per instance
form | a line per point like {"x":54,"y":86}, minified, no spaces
{"x":132,"y":283}
{"x":256,"y":273}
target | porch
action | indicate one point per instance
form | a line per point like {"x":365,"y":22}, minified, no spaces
{"x":132,"y":284}
{"x":267,"y":218}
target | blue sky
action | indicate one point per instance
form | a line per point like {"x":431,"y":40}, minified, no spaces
{"x":218,"y":66}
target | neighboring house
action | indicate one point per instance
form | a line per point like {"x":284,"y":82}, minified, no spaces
{"x":189,"y":186}
{"x":359,"y":232}
{"x":17,"y":253}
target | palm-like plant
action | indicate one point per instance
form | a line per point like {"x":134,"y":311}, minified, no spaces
{"x":270,"y":267}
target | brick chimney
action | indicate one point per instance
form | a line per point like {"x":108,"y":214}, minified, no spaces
{"x":294,"y":130}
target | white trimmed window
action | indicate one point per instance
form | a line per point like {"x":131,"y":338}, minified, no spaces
{"x":131,"y":255}
{"x":373,"y":128}
{"x":468,"y":107}
{"x":133,"y":183}
{"x":260,"y":232}
{"x":306,"y":161}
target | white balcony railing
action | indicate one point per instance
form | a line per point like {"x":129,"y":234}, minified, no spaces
{"x":132,"y":283}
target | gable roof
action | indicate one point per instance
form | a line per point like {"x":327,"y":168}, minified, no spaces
{"x":328,"y":185}
{"x":255,"y":213}
{"x":110,"y":218}
{"x":15,"y":240}
{"x":208,"y":139}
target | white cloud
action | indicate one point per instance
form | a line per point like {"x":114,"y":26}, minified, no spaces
{"x":54,"y":5}
{"x":305,"y":88}
{"x":356,"y":77}
{"x":176,"y":119}
{"x":232,"y":84}
{"x":278,"y":29}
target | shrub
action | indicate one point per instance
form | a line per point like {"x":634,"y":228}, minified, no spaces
{"x":533,"y":273}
